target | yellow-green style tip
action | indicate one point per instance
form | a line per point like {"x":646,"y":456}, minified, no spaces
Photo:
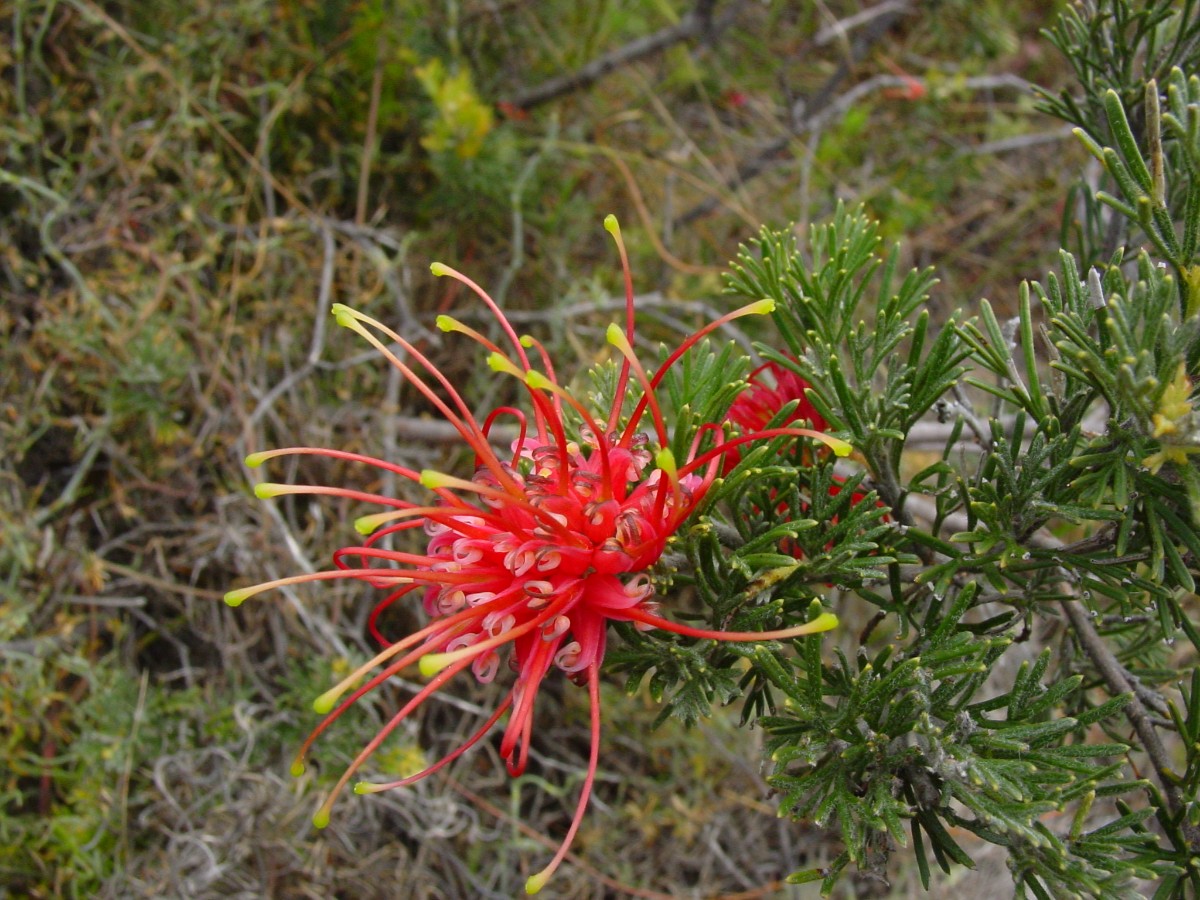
{"x":297,"y":769}
{"x":324,"y":703}
{"x":665,"y":460}
{"x":254,"y":460}
{"x":265,"y":490}
{"x":538,"y":381}
{"x":439,"y":269}
{"x":432,"y":663}
{"x":433,"y":479}
{"x":838,"y":446}
{"x":534,"y":883}
{"x":367,"y":524}
{"x":344,"y":316}
{"x":762,"y":307}
{"x":368,"y":787}
{"x":498,"y":362}
{"x":527,"y":341}
{"x":611,"y":225}
{"x":826,"y":621}
{"x":447,"y":323}
{"x":615,"y":335}
{"x":236,"y":598}
{"x":321,"y":818}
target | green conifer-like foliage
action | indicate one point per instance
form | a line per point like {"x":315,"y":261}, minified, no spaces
{"x":1026,"y":668}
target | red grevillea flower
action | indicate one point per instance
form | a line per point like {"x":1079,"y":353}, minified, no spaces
{"x":769,"y":389}
{"x":762,"y":400}
{"x":538,"y":551}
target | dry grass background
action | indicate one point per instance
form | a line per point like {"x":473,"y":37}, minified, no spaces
{"x":186,"y":188}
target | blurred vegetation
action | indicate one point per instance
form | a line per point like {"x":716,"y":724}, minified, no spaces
{"x":186,"y":188}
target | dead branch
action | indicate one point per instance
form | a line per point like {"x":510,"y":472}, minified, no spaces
{"x":804,"y":114}
{"x":697,"y":24}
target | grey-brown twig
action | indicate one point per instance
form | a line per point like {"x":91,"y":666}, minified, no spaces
{"x":699,"y":23}
{"x":1119,"y":681}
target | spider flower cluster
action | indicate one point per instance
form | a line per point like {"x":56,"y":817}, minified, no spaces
{"x":530,"y":559}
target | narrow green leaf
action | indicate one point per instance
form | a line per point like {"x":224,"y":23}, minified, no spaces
{"x":1118,"y":125}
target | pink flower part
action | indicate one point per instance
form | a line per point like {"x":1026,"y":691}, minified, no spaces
{"x":537,"y":552}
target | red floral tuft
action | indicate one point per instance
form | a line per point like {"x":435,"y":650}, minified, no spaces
{"x":535,"y":554}
{"x":770,"y":388}
{"x":761,"y":402}
{"x":763,"y":399}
